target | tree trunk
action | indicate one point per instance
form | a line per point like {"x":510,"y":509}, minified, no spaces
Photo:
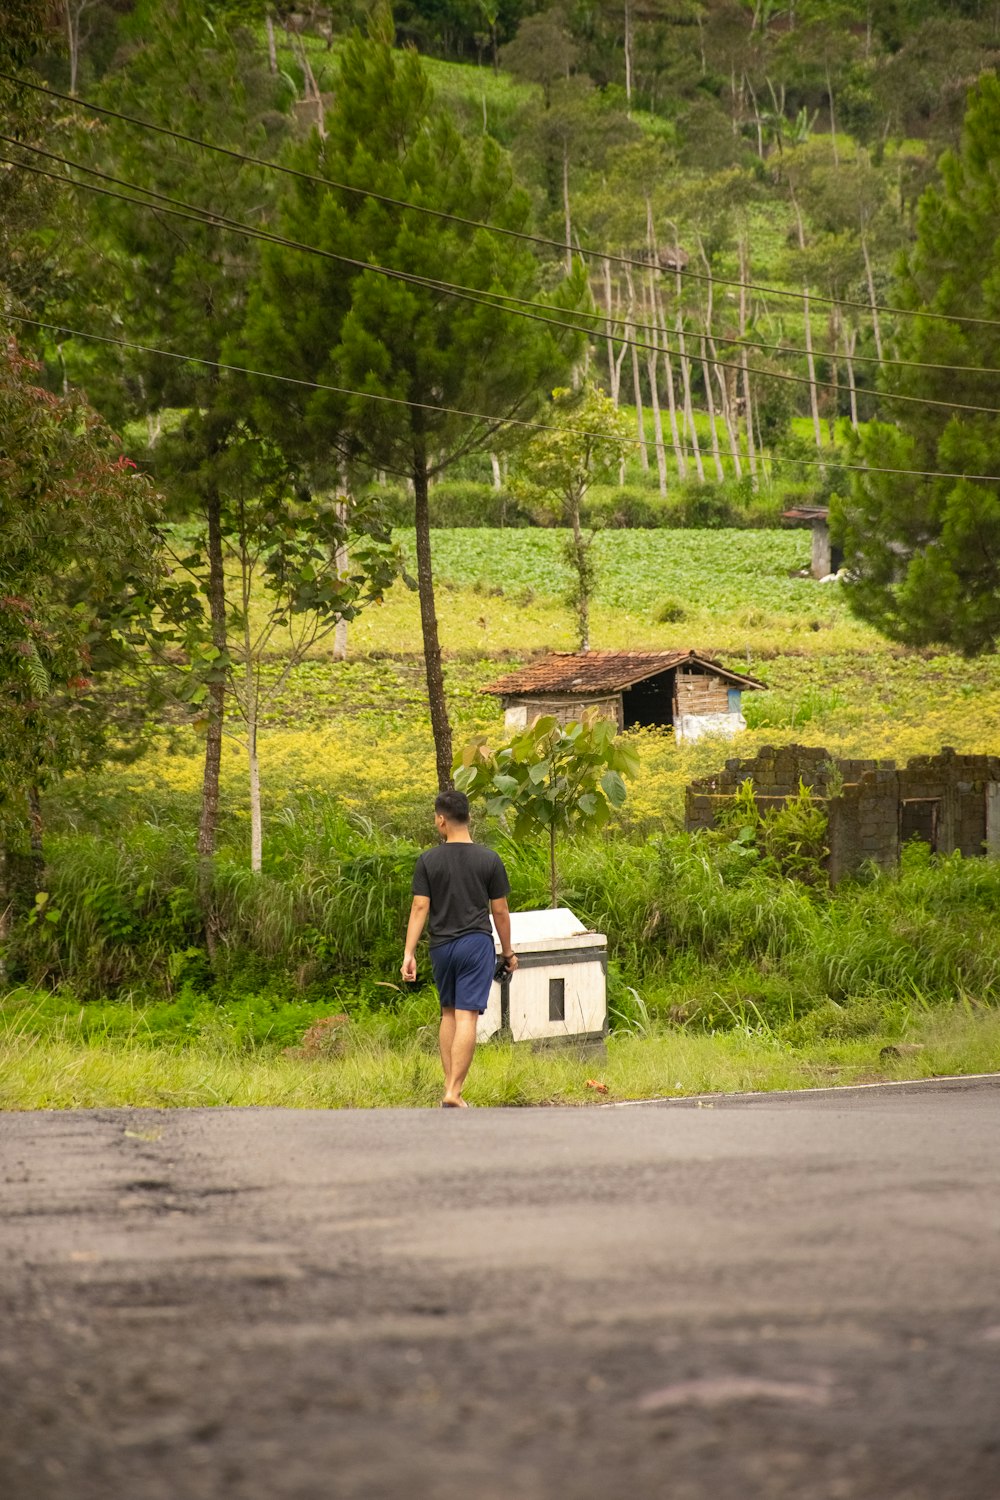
{"x":836,"y":322}
{"x":810,"y":363}
{"x":73,"y":42}
{"x":639,"y":419}
{"x":209,"y":821}
{"x":660,"y":328}
{"x":652,"y":361}
{"x":35,"y":832}
{"x":628,"y":58}
{"x":688,"y":408}
{"x":811,"y":366}
{"x":341,"y":561}
{"x":256,"y":819}
{"x":706,"y":375}
{"x":440,"y":725}
{"x":850,"y":342}
{"x":497,"y":474}
{"x":876,"y":326}
{"x":680,"y":457}
{"x":272,"y":51}
{"x":6,"y":912}
{"x":552,"y":864}
{"x":744,"y":364}
{"x":252,"y":711}
{"x":567,"y":216}
{"x":583,"y":589}
{"x":726,"y":402}
{"x":833,"y":117}
{"x":682,"y":355}
{"x":615,"y":361}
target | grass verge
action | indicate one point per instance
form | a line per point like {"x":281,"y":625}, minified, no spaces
{"x":64,"y":1072}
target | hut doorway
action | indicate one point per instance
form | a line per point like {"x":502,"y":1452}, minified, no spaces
{"x":649,"y":704}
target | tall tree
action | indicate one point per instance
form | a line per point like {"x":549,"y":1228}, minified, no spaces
{"x":27,"y":260}
{"x":925,"y":552}
{"x":182,"y":286}
{"x":284,"y":588}
{"x":420,"y":359}
{"x":77,"y":558}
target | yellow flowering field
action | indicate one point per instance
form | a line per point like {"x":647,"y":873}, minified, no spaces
{"x":357,"y":732}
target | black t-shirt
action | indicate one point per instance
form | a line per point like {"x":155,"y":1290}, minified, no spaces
{"x":461,"y":880}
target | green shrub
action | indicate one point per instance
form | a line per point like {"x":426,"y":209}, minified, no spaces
{"x":707,"y":930}
{"x":456,"y":503}
{"x":625,"y":506}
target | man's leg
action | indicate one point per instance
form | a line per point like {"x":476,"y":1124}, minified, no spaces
{"x":446,"y":1036}
{"x":463,"y":1045}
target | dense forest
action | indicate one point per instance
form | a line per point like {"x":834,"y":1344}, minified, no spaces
{"x":755,"y":169}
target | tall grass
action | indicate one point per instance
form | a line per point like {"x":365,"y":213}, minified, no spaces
{"x":703,"y":929}
{"x":64,"y":1072}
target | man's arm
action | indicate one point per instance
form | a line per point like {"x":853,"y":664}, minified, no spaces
{"x":501,"y":919}
{"x":414,"y":927}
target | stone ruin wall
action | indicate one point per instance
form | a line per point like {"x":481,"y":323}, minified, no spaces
{"x":864,"y":798}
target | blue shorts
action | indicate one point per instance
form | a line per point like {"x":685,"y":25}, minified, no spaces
{"x":463,"y":971}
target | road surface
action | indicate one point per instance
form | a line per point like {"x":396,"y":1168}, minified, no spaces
{"x":795,"y":1297}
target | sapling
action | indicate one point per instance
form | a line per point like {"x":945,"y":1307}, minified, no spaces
{"x":551,"y":779}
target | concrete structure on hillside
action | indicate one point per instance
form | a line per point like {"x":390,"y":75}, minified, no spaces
{"x":683,"y":690}
{"x":949,"y":801}
{"x":826,"y":558}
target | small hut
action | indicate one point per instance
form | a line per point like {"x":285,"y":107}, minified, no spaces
{"x":680,"y":690}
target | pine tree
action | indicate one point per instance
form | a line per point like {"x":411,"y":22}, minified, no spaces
{"x":427,"y":352}
{"x":926,"y":551}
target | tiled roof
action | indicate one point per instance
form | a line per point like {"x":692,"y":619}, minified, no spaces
{"x":576,"y":673}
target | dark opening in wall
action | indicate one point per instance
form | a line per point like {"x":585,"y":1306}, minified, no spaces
{"x":918,"y":819}
{"x":557,"y":999}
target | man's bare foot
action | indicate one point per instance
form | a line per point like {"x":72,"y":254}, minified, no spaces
{"x":454,"y":1103}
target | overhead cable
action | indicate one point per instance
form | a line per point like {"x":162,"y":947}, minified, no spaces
{"x":518,"y":234}
{"x":179,"y":209}
{"x":455,"y":411}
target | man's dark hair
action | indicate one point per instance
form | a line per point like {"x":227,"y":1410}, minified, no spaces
{"x":452,"y":805}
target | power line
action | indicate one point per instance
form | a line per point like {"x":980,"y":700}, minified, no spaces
{"x":518,"y":234}
{"x":492,"y":421}
{"x":190,"y":212}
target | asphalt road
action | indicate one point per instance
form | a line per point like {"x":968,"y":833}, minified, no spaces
{"x":776,"y":1298}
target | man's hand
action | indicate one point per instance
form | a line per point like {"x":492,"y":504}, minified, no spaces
{"x":419,"y":909}
{"x":510,"y":959}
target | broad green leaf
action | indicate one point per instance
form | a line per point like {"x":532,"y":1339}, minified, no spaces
{"x":614,"y":788}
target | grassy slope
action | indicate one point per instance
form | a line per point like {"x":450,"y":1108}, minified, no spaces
{"x":359,"y":730}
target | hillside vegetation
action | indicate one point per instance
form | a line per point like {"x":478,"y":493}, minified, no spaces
{"x":273,"y":423}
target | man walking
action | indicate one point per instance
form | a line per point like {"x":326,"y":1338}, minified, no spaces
{"x":458,"y":884}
